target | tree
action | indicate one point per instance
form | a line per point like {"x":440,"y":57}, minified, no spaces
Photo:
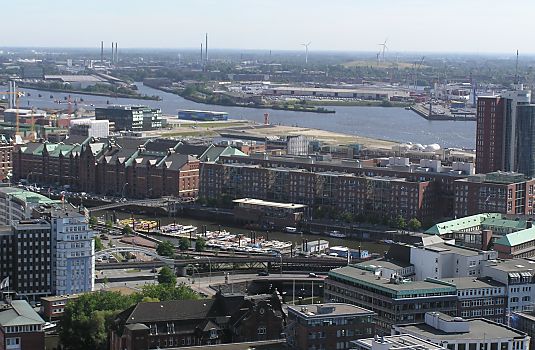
{"x":88,"y":318}
{"x":92,"y":221}
{"x":400,"y":223}
{"x":165,"y":248}
{"x":183,"y":244}
{"x":127,"y":230}
{"x":98,"y":244}
{"x":415,"y":224}
{"x":109,"y":224}
{"x":166,"y":276}
{"x":164,"y":292}
{"x":200,"y":244}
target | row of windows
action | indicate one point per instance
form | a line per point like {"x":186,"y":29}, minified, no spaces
{"x":23,"y":329}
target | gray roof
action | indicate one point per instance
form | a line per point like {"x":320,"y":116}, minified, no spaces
{"x":384,"y":262}
{"x":136,"y":326}
{"x":473,"y":283}
{"x":363,"y":277}
{"x":400,"y":341}
{"x":513,"y":265}
{"x":479,"y":329}
{"x":20,"y":314}
{"x":329,"y":310}
{"x":445,"y":248}
{"x":170,"y":311}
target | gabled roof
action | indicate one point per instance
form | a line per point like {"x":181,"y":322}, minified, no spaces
{"x":176,"y":161}
{"x":460,"y":224}
{"x":20,"y":314}
{"x":213,"y":153}
{"x":517,"y":238}
{"x":196,"y":150}
{"x":170,"y":311}
{"x":161,"y":145}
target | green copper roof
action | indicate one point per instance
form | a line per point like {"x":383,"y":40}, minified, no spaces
{"x":28,"y":196}
{"x":460,"y":224}
{"x":517,"y":238}
{"x":213,"y":153}
{"x":511,"y":224}
{"x":19,"y":314}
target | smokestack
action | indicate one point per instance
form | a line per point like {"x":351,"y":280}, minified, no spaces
{"x":112,"y":53}
{"x":101,"y":51}
{"x":206,"y":48}
{"x":201,"y":54}
{"x":116,"y":53}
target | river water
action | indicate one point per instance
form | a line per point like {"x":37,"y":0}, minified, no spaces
{"x":396,"y":124}
{"x":372,"y":247}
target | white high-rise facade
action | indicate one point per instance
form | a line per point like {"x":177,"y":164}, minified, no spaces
{"x":73,"y":253}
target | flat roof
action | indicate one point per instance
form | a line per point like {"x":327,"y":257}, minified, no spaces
{"x":401,"y":341}
{"x":445,"y":248}
{"x":27,"y":196}
{"x":260,"y":202}
{"x":61,"y":297}
{"x":278,"y":344}
{"x":513,"y":265}
{"x":199,"y":111}
{"x":384,"y":262}
{"x":473,"y":283}
{"x":374,"y":90}
{"x":354,"y":274}
{"x":479,"y":329}
{"x":75,"y":78}
{"x":528,"y":315}
{"x":329,"y":310}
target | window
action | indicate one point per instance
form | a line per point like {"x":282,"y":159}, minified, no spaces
{"x":12,"y":341}
{"x":261,"y":330}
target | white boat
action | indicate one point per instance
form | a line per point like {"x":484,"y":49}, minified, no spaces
{"x":175,"y":230}
{"x":336,"y":234}
{"x":290,"y":229}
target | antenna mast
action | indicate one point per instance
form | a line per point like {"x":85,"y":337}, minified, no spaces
{"x":516,"y":68}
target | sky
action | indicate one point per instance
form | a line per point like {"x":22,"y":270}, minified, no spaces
{"x":466,"y":26}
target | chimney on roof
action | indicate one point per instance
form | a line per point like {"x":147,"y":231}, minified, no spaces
{"x":486,"y":238}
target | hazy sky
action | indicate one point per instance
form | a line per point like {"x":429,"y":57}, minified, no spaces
{"x":478,"y":26}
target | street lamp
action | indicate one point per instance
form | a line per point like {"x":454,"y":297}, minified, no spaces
{"x":210,"y":267}
{"x":124,"y":187}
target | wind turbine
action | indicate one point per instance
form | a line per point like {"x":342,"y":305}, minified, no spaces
{"x":384,"y":48}
{"x":306,"y":51}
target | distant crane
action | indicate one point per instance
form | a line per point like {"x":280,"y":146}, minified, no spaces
{"x":417,"y":66}
{"x":306,"y":51}
{"x":384,"y":48}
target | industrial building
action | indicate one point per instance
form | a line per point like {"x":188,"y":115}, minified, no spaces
{"x":371,"y":93}
{"x":26,"y":116}
{"x":131,"y":118}
{"x":89,"y":127}
{"x":77,"y":81}
{"x":202,"y":115}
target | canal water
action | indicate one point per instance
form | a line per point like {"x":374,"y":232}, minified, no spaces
{"x":372,"y":247}
{"x":396,"y":124}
